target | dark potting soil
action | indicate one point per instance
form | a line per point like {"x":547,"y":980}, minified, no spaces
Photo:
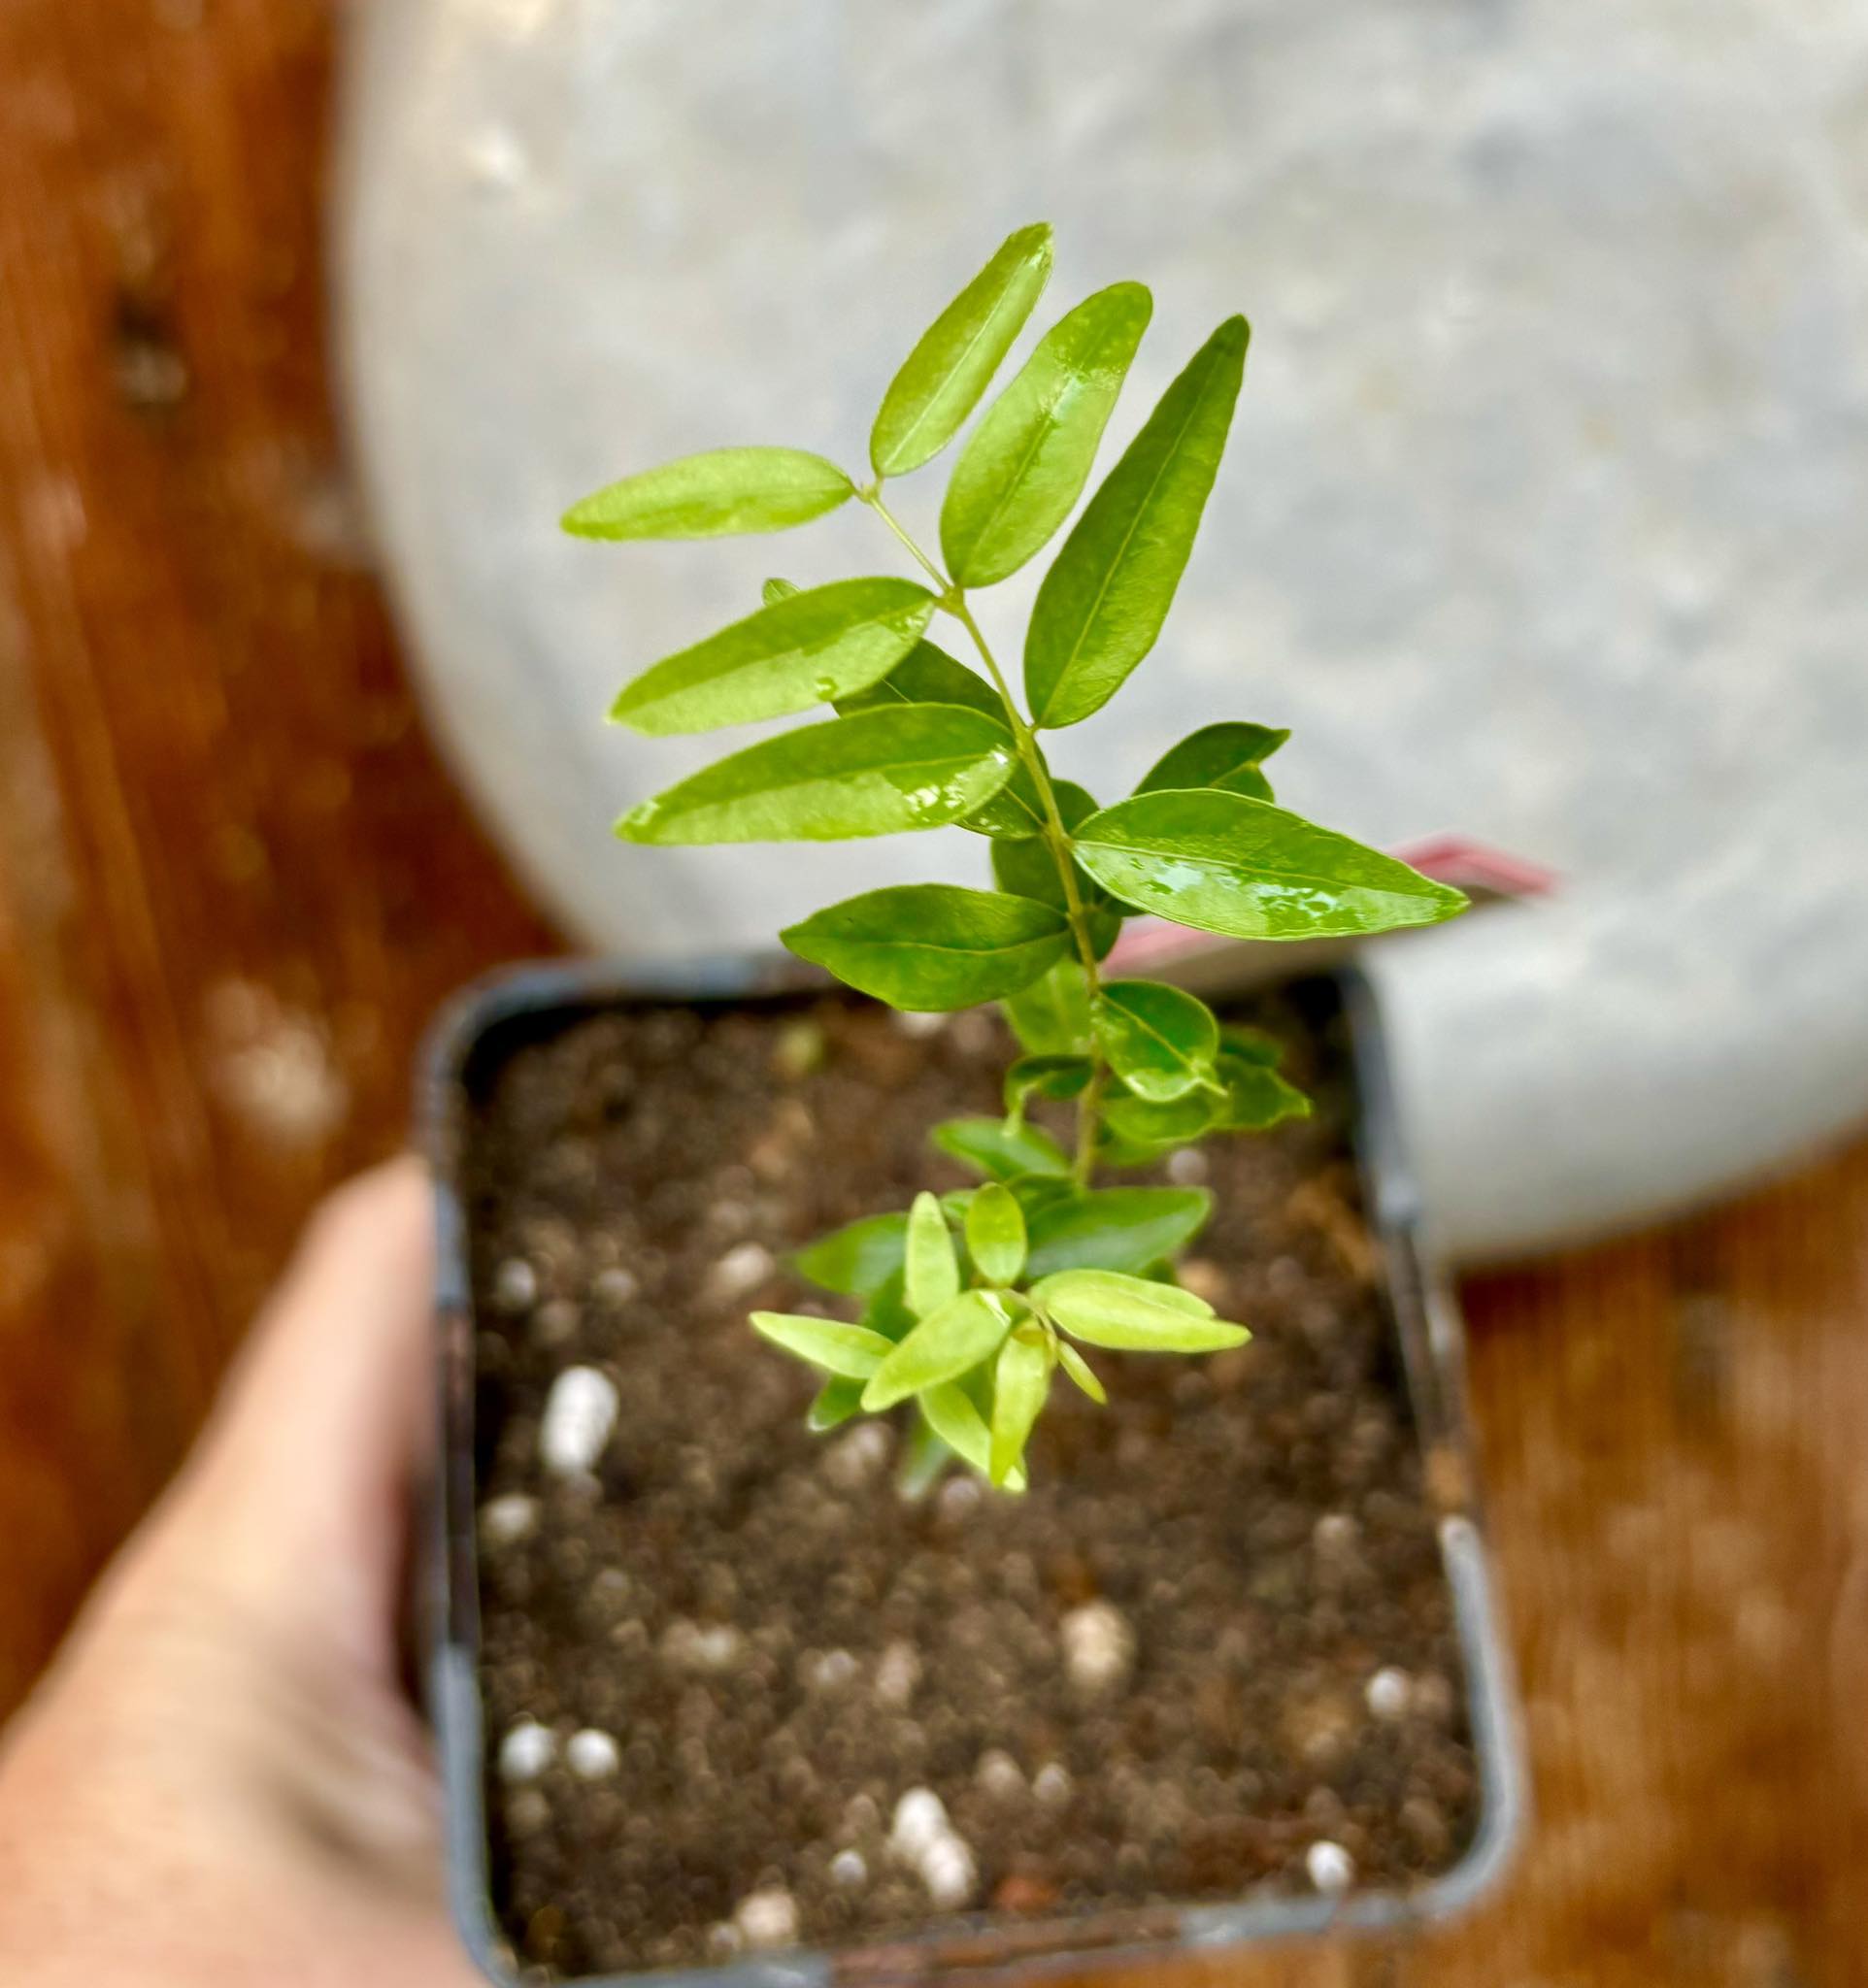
{"x":1211,"y":1652}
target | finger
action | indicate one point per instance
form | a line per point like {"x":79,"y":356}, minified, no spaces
{"x":296,"y":1502}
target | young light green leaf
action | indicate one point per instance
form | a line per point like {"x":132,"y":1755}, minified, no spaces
{"x":802,"y":649}
{"x":1159,"y":1040}
{"x":1256,"y":1096}
{"x":775,"y":590}
{"x":1114,"y":1228}
{"x":942,"y":380}
{"x":1051,"y":1017}
{"x":931,"y":1272}
{"x":995,"y":1233}
{"x":1020,"y":1382}
{"x":1000,"y":1151}
{"x":851,"y":1350}
{"x":1106,"y":593}
{"x":710,"y":496}
{"x":1058,"y":1077}
{"x":856,"y":1259}
{"x":965,"y":1330}
{"x":954,"y":1416}
{"x":1224,"y":862}
{"x":833,"y":1404}
{"x":1227,"y":756}
{"x":1103,"y":1308}
{"x":932,"y":946}
{"x":1026,"y":463}
{"x":1080,"y":1371}
{"x":878,"y":773}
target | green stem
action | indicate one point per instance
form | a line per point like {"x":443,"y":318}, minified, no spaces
{"x":953,"y":599}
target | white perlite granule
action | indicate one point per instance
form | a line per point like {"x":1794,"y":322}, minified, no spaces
{"x":505,"y":1521}
{"x":1099,"y":1647}
{"x":592,"y":1755}
{"x":1389,"y":1693}
{"x":580,"y":1413}
{"x":527,"y":1751}
{"x":1331,"y":1867}
{"x":768,"y":1917}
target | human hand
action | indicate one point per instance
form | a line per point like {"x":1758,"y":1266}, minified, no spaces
{"x":221,"y":1783}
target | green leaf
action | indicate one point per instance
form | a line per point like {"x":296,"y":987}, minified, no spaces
{"x":942,"y":380}
{"x":927,"y":675}
{"x":802,"y":649}
{"x":1256,"y":1096}
{"x":932,"y":946}
{"x":1051,"y":1017}
{"x":965,"y":1330}
{"x":854,"y":1260}
{"x":834,"y":1403}
{"x":1115,"y":1228}
{"x":1159,"y":1040}
{"x":852,"y":1351}
{"x":1080,"y":1371}
{"x":775,"y":590}
{"x":924,"y":1456}
{"x":878,"y":773}
{"x":995,"y":1233}
{"x":1109,"y":590}
{"x":931,"y":1272}
{"x":1225,"y":863}
{"x":1000,"y":1151}
{"x":710,"y":496}
{"x":1058,"y":1077}
{"x":1227,"y":756}
{"x":1106,"y":1310}
{"x":1028,"y":460}
{"x":954,"y":1416}
{"x":1255,"y":1046}
{"x":1020,"y":1382}
{"x":1143,"y":1130}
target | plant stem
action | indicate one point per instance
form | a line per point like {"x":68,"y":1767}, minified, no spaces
{"x":953,"y":599}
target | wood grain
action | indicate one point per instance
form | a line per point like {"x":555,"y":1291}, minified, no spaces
{"x":234,"y":883}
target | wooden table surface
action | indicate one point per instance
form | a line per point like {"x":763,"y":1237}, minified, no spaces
{"x":234,"y":883}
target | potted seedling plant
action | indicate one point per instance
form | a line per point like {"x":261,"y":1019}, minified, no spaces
{"x":969,"y":1469}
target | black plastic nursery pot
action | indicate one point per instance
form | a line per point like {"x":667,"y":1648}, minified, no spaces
{"x":1328,"y":1788}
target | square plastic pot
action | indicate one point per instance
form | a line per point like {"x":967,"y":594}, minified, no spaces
{"x":527,"y":1000}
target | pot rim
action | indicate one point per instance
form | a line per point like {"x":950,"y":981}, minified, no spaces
{"x":1432,"y":1336}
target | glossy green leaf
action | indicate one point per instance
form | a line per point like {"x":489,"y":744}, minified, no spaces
{"x":833,"y":1404}
{"x":1159,"y":1040}
{"x":995,"y":1233}
{"x":1057,"y":1078}
{"x":804,"y":649}
{"x":1106,"y":593}
{"x":878,"y":773}
{"x":1028,"y":460}
{"x":927,"y":675}
{"x":711,"y":496}
{"x":1080,"y":1371}
{"x":775,"y":590}
{"x":1115,"y":1228}
{"x":854,"y":1260}
{"x":1020,"y":1382}
{"x":851,"y":1350}
{"x":1227,"y":756}
{"x":962,"y":1333}
{"x":1051,"y":1017}
{"x":942,"y":380}
{"x":1141,"y":1131}
{"x":1224,"y":862}
{"x":931,"y":1269}
{"x":1104,"y":1308}
{"x":932,"y":946}
{"x":1256,"y":1096}
{"x":998,"y":1151}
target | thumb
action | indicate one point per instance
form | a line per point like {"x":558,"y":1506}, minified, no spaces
{"x":295,"y":1502}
